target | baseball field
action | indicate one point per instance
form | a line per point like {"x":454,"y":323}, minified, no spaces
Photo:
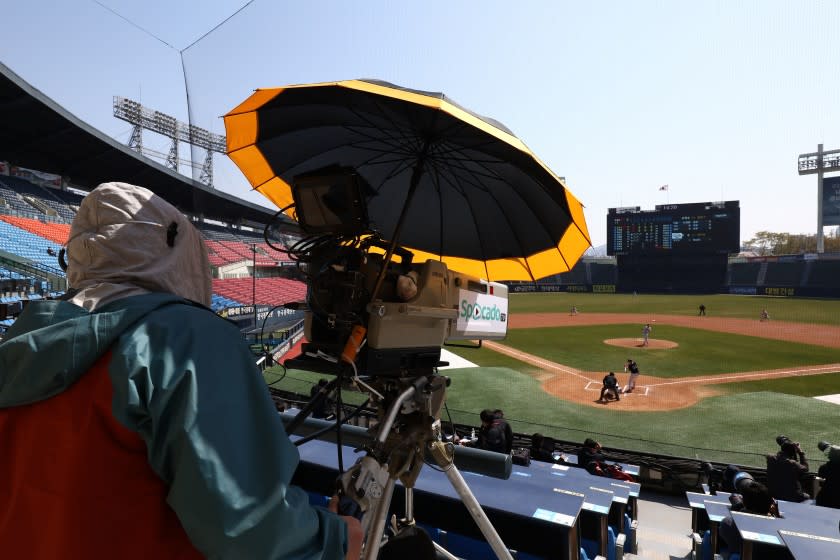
{"x":716,"y":387}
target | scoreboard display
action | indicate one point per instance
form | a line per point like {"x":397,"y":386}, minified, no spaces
{"x":700,"y":227}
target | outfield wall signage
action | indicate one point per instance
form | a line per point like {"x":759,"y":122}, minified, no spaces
{"x":774,"y":291}
{"x":743,"y":290}
{"x":603,"y":288}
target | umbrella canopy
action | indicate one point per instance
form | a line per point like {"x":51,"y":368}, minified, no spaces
{"x":469,"y":192}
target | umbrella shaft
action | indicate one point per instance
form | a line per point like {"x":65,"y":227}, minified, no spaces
{"x":416,"y":173}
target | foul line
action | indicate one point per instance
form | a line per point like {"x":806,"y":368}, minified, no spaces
{"x":533,"y":360}
{"x":704,"y":380}
{"x":712,"y":380}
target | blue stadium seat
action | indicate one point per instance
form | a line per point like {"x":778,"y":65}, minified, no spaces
{"x":592,"y":549}
{"x":706,"y":552}
{"x":465,"y":547}
{"x":629,"y":532}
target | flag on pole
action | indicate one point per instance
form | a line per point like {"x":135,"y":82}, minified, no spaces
{"x":663,"y":188}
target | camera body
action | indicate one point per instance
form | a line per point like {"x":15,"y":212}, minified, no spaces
{"x":781,"y":441}
{"x":832,"y":452}
{"x":403,"y":337}
{"x":731,"y":479}
{"x":351,"y":288}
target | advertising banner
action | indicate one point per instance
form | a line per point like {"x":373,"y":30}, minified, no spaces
{"x":482,"y":315}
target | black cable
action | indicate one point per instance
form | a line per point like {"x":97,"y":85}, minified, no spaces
{"x":314,"y":402}
{"x":338,"y":412}
{"x":282,"y":377}
{"x":324,"y":430}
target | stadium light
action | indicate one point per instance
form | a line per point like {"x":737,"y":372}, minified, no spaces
{"x":817,"y":163}
{"x":144,"y":118}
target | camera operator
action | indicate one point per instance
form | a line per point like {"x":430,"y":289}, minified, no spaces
{"x":134,"y":417}
{"x":785,"y":471}
{"x":754,"y":498}
{"x":829,"y":495}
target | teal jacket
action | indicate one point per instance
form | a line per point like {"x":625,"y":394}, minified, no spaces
{"x":184,"y":380}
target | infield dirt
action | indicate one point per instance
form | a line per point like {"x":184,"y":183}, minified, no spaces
{"x":655,"y":393}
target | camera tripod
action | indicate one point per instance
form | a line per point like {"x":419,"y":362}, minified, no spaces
{"x":408,"y":432}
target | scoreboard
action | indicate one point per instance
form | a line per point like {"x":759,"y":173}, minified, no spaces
{"x":695,"y":228}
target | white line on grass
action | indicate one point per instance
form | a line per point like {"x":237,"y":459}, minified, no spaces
{"x":764,"y":375}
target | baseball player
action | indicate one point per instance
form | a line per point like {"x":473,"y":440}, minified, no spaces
{"x":634,"y":375}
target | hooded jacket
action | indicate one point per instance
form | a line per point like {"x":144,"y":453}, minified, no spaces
{"x":133,"y":421}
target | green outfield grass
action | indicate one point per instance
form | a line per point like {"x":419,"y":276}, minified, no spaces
{"x":803,"y":310}
{"x":699,"y":352}
{"x":738,"y":426}
{"x":806,"y":386}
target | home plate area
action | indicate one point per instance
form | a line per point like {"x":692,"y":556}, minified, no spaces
{"x":640,"y":390}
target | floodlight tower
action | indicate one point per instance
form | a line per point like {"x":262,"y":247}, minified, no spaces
{"x":817,"y":163}
{"x":144,"y":118}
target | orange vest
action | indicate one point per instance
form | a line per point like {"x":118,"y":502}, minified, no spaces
{"x":75,"y":483}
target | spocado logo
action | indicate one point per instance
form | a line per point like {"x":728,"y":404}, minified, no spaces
{"x":476,"y":312}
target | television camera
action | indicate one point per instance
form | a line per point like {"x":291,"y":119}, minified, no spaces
{"x":368,"y":303}
{"x":832,"y":452}
{"x":376,"y":320}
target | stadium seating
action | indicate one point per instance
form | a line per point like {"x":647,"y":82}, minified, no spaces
{"x":744,"y":274}
{"x":824,"y":273}
{"x":42,"y":200}
{"x":27,"y":245}
{"x":220,"y":302}
{"x":784,"y":273}
{"x":55,"y":232}
{"x":269,"y":291}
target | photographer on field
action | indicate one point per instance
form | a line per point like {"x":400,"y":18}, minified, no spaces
{"x":786,"y":471}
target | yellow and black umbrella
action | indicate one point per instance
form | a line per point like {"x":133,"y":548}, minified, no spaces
{"x":446,"y":183}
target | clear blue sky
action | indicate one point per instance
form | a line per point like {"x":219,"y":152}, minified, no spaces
{"x":715,"y":99}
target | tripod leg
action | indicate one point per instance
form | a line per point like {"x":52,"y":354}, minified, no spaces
{"x":478,"y":515}
{"x":376,"y":529}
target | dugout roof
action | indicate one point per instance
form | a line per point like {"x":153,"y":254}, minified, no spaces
{"x":37,"y":133}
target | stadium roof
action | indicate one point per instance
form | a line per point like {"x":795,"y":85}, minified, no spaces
{"x":37,"y":133}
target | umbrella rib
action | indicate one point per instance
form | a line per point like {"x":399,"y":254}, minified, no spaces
{"x":402,"y":166}
{"x":490,"y":174}
{"x":506,"y":218}
{"x":434,"y":174}
{"x":439,"y":174}
{"x":395,"y":142}
{"x":404,"y":135}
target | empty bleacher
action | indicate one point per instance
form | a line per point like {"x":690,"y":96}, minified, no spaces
{"x":228,"y":246}
{"x":43,"y":201}
{"x":55,"y":232}
{"x":28,"y":245}
{"x":824,"y":274}
{"x":269,"y":291}
{"x":603,"y":273}
{"x":744,"y":274}
{"x":784,"y":273}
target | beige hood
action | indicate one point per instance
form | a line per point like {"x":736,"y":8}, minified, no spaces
{"x":119,"y":247}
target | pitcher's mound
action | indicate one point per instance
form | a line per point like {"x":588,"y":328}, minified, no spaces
{"x":653,"y":343}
